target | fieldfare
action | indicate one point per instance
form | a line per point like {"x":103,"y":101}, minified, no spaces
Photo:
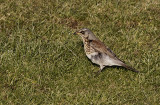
{"x":97,"y":52}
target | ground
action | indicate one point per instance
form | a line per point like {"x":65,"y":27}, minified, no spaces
{"x":42,"y":62}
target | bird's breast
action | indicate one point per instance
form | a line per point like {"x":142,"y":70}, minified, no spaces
{"x":88,"y":49}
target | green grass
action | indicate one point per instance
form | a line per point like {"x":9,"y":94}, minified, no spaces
{"x":42,"y":62}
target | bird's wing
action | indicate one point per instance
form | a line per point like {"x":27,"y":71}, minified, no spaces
{"x":100,"y":47}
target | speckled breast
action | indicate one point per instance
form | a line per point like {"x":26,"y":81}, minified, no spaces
{"x":88,"y":49}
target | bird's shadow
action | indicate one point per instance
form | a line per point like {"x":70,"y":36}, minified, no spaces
{"x":115,"y":67}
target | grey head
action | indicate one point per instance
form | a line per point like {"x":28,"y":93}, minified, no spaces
{"x":86,"y":33}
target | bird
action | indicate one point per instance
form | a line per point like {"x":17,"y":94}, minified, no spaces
{"x":98,"y":52}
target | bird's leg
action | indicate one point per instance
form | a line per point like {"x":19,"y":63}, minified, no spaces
{"x":99,"y":71}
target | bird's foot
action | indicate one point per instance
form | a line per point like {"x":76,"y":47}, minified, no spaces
{"x":97,"y":73}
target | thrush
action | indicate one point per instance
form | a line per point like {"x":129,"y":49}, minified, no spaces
{"x":98,"y":53}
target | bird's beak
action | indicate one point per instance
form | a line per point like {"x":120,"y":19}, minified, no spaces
{"x":77,"y":33}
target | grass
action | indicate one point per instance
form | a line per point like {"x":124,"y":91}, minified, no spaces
{"x":42,"y":62}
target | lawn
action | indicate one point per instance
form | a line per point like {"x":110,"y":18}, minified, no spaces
{"x":42,"y":62}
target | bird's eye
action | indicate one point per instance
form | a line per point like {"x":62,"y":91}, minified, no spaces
{"x":82,"y":32}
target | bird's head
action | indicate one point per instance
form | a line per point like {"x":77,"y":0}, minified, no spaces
{"x":86,"y":33}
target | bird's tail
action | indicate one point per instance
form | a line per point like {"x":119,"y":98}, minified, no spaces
{"x":130,"y":68}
